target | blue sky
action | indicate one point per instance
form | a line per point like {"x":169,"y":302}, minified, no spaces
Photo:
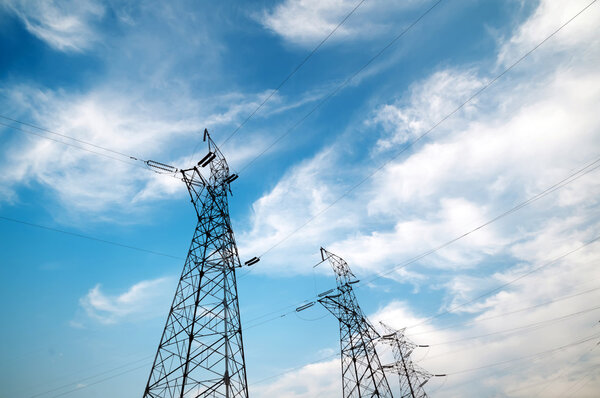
{"x":83,"y":318}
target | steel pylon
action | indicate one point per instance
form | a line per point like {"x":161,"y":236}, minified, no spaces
{"x":201,"y":352}
{"x":412,"y":377}
{"x":362,"y":374}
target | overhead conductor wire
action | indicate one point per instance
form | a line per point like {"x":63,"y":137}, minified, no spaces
{"x":342,"y":85}
{"x":109,"y":242}
{"x":293,"y":72}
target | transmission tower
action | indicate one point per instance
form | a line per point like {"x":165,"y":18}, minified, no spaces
{"x":362,"y":374}
{"x":201,"y":353}
{"x":412,"y":377}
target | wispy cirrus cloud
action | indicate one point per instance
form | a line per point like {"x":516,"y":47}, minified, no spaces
{"x":143,"y":300}
{"x":307,"y":22}
{"x":65,"y":25}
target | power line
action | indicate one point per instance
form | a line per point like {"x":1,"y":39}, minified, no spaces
{"x":366,"y":178}
{"x":70,"y":144}
{"x":507,"y":313}
{"x":584,"y":377}
{"x":335,"y":355}
{"x":524,"y":275}
{"x":412,"y":143}
{"x":293,"y":72}
{"x":341,"y":86}
{"x":518,"y":330}
{"x":89,"y":377}
{"x":590,"y":167}
{"x":296,"y":368}
{"x":65,"y":136}
{"x":109,"y":242}
{"x":150,"y":165}
{"x":532,"y":356}
{"x":100,"y":381}
{"x":547,"y":383}
{"x":585,"y":340}
{"x":146,"y":364}
{"x":534,"y":325}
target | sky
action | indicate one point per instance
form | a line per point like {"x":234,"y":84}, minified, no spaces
{"x":451,"y":166}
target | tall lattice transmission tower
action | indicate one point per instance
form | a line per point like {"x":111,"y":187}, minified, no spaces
{"x":362,"y":374}
{"x":412,"y":378}
{"x":201,"y":353}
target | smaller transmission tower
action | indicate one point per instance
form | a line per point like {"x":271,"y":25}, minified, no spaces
{"x":412,"y":377}
{"x":362,"y":374}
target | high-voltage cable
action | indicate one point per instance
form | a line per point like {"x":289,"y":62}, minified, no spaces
{"x":78,"y":235}
{"x":547,"y":383}
{"x":122,"y":160}
{"x":590,"y":167}
{"x":477,"y":320}
{"x":88,"y":378}
{"x":149,"y":165}
{"x":293,"y":72}
{"x":342,"y":85}
{"x":269,"y":377}
{"x":517,"y":331}
{"x":78,"y":140}
{"x":531,"y":326}
{"x":498,"y":288}
{"x":534,"y":356}
{"x":539,"y":354}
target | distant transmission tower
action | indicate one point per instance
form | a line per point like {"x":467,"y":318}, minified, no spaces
{"x":201,"y":353}
{"x":362,"y":374}
{"x":412,"y":377}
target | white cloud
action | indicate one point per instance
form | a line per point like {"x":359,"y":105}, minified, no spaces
{"x":319,"y":379}
{"x":429,"y":101}
{"x":547,"y":17}
{"x":307,"y":22}
{"x":455,"y":216}
{"x":143,"y":300}
{"x":66,"y":25}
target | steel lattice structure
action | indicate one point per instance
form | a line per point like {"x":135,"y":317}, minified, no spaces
{"x":412,"y":377}
{"x":201,"y":352}
{"x":362,"y":374}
